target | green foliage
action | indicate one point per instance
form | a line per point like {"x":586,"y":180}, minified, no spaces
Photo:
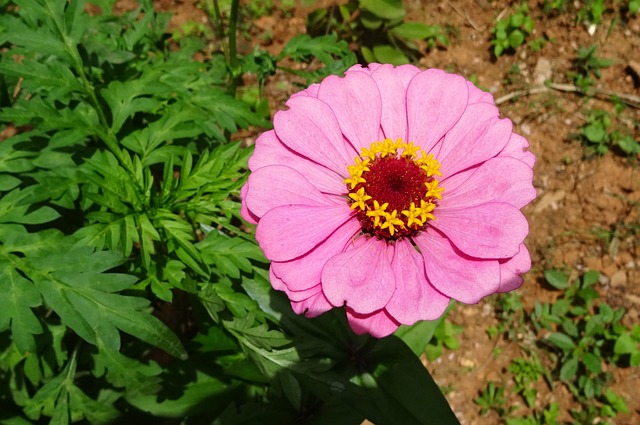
{"x":492,"y":398}
{"x":379,"y":29}
{"x":586,"y":66}
{"x":512,"y":31}
{"x":591,"y":11}
{"x":525,"y":373}
{"x":444,"y":336}
{"x":598,"y":136}
{"x":584,"y":333}
{"x":123,"y":252}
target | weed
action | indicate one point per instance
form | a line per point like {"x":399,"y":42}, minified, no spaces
{"x":587,"y":65}
{"x":511,"y":32}
{"x":525,"y":373}
{"x":598,"y":136}
{"x":444,"y":336}
{"x":379,"y":30}
{"x":492,"y":398}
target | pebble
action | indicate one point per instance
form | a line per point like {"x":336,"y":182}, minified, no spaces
{"x":619,"y":279}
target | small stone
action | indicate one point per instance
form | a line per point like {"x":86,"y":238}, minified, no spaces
{"x":542,"y":72}
{"x":549,"y":200}
{"x":618,"y":279}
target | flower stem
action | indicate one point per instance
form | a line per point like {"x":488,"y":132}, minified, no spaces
{"x":236,"y":71}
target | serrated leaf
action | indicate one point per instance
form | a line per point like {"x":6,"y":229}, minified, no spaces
{"x":19,"y":296}
{"x":124,"y":372}
{"x":84,"y":302}
{"x":230,"y":254}
{"x":74,"y":286}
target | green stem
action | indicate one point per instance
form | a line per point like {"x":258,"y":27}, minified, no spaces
{"x":219,"y":29}
{"x":236,"y":72}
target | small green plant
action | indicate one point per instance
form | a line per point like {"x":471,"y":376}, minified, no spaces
{"x":586,"y":66}
{"x":633,"y":6}
{"x":511,"y":32}
{"x":510,"y":312}
{"x":548,"y":416}
{"x":598,"y":136}
{"x":555,"y":6}
{"x":584,"y":337}
{"x":591,"y":11}
{"x":492,"y":398}
{"x":525,"y":373}
{"x":444,"y":336}
{"x":379,"y":30}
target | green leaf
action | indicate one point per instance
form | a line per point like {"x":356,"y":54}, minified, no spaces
{"x":15,"y":207}
{"x":124,"y":372}
{"x":385,"y":9}
{"x":202,"y":394}
{"x":595,"y":133}
{"x":592,"y":363}
{"x":385,"y":53}
{"x":404,"y":390}
{"x":414,"y":30}
{"x":556,"y":278}
{"x":569,"y":369}
{"x":86,"y":302}
{"x":19,"y":296}
{"x":562,"y":341}
{"x":625,"y":345}
{"x":74,"y":284}
{"x":230,"y":255}
{"x":516,"y":38}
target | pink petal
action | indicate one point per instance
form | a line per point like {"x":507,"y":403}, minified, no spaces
{"x":312,"y":91}
{"x":378,"y":324}
{"x":244,"y":211}
{"x":361,"y":277}
{"x":476,"y":95}
{"x":277,"y":283}
{"x":500,"y":179}
{"x":511,"y":270}
{"x":478,"y":136}
{"x":313,"y":301}
{"x":310,"y":128}
{"x":313,"y":306}
{"x":516,"y":148}
{"x":492,"y":230}
{"x":289,"y":231}
{"x":435,"y":102}
{"x":414,"y":299}
{"x":393,"y":83}
{"x":270,"y":151}
{"x":276,"y":185}
{"x":454,"y":273}
{"x":355,"y":100}
{"x":366,"y":69}
{"x":306,"y":271}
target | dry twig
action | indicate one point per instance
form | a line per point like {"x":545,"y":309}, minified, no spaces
{"x":628,"y":99}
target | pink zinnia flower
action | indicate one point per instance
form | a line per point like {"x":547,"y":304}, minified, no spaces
{"x":390,"y":192}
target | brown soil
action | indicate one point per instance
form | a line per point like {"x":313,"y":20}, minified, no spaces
{"x":579,"y":197}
